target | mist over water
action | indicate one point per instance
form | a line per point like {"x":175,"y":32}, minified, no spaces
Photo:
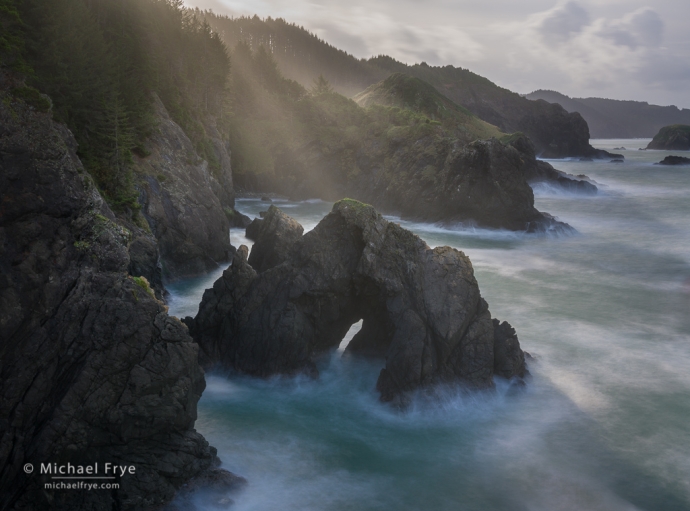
{"x":604,"y":423}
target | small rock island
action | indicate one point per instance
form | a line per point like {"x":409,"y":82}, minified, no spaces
{"x":674,"y":160}
{"x":672,"y":138}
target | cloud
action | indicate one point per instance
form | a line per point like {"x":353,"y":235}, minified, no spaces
{"x":567,"y":47}
{"x":561,"y":23}
{"x":367,"y":31}
{"x":640,"y":28}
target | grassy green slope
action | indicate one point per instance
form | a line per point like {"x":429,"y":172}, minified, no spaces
{"x":408,"y":92}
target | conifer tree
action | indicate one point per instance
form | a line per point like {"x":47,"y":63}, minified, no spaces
{"x":321,"y":86}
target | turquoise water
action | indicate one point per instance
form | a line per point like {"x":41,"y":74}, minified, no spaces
{"x":603,"y":425}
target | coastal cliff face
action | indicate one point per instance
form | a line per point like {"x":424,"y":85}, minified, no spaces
{"x":483,"y":183}
{"x":505,"y":171}
{"x":421,"y":308}
{"x":537,"y":171}
{"x":611,"y":118}
{"x":184,"y":202}
{"x":93,"y":369}
{"x":437,"y":179}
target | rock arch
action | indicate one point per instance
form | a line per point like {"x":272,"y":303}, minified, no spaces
{"x":421,"y":307}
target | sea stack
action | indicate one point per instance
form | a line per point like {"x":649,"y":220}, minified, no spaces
{"x":421,"y":308}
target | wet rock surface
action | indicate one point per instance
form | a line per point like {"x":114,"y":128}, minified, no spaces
{"x":421,"y":308}
{"x":93,"y":369}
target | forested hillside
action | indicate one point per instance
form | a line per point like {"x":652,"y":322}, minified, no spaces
{"x":302,"y":57}
{"x":313,"y":142}
{"x":281,"y":132}
{"x":99,"y":62}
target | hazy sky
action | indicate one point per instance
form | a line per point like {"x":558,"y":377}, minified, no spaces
{"x":620,"y":49}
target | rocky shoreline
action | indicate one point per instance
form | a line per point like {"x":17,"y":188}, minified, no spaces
{"x":94,"y":368}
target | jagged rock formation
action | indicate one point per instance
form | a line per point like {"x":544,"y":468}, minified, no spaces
{"x":93,"y":369}
{"x":183,"y":202}
{"x":273,"y":236}
{"x":421,"y":308}
{"x":672,"y":138}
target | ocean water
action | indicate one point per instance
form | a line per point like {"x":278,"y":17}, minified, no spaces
{"x":604,"y":423}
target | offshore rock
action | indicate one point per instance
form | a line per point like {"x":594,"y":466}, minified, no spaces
{"x":252,"y":230}
{"x":674,"y":160}
{"x":421,"y":308}
{"x":536,"y":171}
{"x":178,"y":201}
{"x":93,"y":369}
{"x":672,"y":138}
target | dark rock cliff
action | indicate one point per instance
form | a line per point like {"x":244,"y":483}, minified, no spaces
{"x":421,"y":308}
{"x":542,"y":172}
{"x":611,"y":118}
{"x":93,"y":369}
{"x":183,"y":202}
{"x":441,"y":180}
{"x":556,"y":133}
{"x":484,"y":182}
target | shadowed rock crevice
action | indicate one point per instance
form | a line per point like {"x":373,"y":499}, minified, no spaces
{"x":421,"y":307}
{"x":185,"y":203}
